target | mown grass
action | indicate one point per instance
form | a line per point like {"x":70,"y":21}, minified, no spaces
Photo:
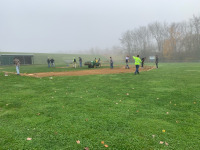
{"x":125,"y":111}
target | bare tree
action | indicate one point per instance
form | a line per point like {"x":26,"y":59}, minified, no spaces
{"x":126,"y":41}
{"x":175,"y":40}
{"x":196,"y":31}
{"x":143,"y":38}
{"x":157,"y":31}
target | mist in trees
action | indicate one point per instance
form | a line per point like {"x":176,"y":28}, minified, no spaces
{"x":177,"y":41}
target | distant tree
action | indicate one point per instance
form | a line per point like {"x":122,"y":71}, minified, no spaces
{"x":195,"y":22}
{"x":143,"y":38}
{"x":158,"y":33}
{"x":136,"y":41}
{"x":127,"y":41}
{"x":175,"y":40}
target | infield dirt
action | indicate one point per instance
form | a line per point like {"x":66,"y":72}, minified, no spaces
{"x":88,"y":72}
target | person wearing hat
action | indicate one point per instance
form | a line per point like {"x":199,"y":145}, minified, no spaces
{"x":156,"y":61}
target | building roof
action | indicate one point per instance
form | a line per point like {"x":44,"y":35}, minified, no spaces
{"x":16,"y":54}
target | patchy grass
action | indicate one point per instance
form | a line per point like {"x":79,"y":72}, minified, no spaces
{"x":125,"y":111}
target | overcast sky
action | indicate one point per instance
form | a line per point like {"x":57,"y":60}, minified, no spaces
{"x":72,"y":25}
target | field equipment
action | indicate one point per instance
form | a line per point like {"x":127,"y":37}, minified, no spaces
{"x":92,"y":64}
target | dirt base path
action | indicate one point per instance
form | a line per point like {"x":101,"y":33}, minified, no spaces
{"x":88,"y":72}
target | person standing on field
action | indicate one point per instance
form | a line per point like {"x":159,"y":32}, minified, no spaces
{"x":48,"y":61}
{"x":17,"y":64}
{"x":127,"y":61}
{"x":143,"y":59}
{"x":111,"y":63}
{"x":80,"y":61}
{"x":99,"y":61}
{"x":156,"y":61}
{"x":52,"y":62}
{"x":74,"y":62}
{"x":137,"y":63}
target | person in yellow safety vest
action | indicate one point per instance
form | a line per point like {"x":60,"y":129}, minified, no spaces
{"x":95,"y":60}
{"x":137,"y":63}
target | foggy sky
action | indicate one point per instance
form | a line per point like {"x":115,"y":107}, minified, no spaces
{"x":72,"y":25}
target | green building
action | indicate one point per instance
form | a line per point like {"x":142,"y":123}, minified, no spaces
{"x":25,"y":59}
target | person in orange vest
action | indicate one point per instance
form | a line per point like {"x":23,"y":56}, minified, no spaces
{"x":137,"y":63}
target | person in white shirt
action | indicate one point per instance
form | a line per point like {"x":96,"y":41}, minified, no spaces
{"x":127,"y":61}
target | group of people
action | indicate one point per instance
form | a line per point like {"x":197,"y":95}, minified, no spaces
{"x":138,"y":61}
{"x":50,"y":62}
{"x":98,"y":61}
{"x":80,"y":62}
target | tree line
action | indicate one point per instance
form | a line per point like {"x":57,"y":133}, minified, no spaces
{"x":177,"y":41}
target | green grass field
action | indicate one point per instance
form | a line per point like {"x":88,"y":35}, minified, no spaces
{"x":125,"y":111}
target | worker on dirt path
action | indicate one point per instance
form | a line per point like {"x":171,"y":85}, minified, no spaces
{"x":137,"y":64}
{"x":127,"y":61}
{"x":143,"y":59}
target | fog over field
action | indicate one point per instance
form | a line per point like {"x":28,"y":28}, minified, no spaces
{"x":74,"y":26}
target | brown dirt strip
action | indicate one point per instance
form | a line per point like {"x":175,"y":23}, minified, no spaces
{"x":88,"y":72}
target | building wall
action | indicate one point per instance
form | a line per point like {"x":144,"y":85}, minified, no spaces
{"x":8,"y":59}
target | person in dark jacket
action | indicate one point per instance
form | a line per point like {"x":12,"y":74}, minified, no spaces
{"x":52,"y":62}
{"x":111,"y":63}
{"x":80,"y":61}
{"x":156,"y":61}
{"x":143,"y":59}
{"x":74,"y":62}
